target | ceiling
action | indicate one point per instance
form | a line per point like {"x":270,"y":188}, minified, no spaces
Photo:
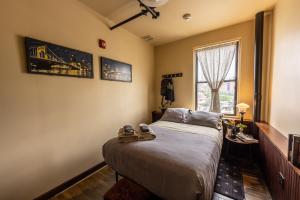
{"x":207,"y":15}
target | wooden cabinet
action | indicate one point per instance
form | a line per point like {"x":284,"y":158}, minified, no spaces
{"x":283,"y":179}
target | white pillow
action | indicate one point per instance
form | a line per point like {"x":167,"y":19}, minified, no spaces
{"x":177,"y":115}
{"x":208,"y":119}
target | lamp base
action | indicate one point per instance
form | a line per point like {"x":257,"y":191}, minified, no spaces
{"x":242,"y":117}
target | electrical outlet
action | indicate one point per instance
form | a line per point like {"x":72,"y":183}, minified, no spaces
{"x":281,"y":180}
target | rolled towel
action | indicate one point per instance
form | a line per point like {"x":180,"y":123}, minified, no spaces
{"x":145,"y":133}
{"x":144,"y":128}
{"x":128,"y":130}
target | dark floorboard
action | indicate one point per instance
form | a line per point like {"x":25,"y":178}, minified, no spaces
{"x":95,"y":186}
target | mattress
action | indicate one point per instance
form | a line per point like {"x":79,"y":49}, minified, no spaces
{"x":180,"y":164}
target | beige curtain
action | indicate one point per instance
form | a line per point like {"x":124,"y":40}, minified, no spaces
{"x":215,"y":62}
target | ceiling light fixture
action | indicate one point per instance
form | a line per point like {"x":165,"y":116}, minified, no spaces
{"x":154,"y":3}
{"x":187,"y":17}
{"x":148,"y":6}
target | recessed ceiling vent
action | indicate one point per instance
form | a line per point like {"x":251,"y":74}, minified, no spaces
{"x":147,"y":38}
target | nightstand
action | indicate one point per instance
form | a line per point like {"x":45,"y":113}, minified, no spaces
{"x":156,"y":116}
{"x":232,"y":141}
{"x":238,"y":148}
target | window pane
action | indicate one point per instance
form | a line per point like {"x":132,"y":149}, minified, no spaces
{"x":203,"y":97}
{"x":232,"y":71}
{"x":200,"y":77}
{"x":227,"y":94}
{"x":230,"y":76}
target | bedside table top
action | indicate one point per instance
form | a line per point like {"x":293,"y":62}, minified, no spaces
{"x":239,"y":141}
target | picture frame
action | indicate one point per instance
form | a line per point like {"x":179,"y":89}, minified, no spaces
{"x":114,"y":70}
{"x":51,"y":59}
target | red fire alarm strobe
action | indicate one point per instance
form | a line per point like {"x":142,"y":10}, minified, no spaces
{"x":102,"y":44}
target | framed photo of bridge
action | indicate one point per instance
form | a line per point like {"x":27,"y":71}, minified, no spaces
{"x":114,"y":70}
{"x":52,"y":59}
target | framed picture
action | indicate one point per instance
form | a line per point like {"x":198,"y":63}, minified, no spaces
{"x":114,"y":70}
{"x":52,"y":59}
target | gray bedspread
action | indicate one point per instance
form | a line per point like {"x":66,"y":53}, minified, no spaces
{"x":180,"y":164}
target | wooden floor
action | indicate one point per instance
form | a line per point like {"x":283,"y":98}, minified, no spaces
{"x":254,"y":185}
{"x":95,"y":186}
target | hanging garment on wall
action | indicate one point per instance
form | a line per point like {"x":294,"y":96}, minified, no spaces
{"x":167,"y":89}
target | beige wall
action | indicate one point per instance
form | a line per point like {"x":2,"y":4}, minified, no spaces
{"x":285,"y":93}
{"x":179,"y":57}
{"x":53,"y":128}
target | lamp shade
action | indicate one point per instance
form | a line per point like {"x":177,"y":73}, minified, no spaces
{"x":242,"y":107}
{"x":154,"y":3}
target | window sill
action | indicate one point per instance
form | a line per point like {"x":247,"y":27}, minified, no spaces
{"x":235,"y":117}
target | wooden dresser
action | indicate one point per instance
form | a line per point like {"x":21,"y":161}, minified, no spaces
{"x":283,"y":179}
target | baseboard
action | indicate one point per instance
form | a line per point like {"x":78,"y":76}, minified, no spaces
{"x":69,"y":183}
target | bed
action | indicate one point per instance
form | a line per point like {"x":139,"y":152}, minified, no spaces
{"x":180,"y":164}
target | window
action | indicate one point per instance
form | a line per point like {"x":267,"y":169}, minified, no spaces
{"x":228,"y":89}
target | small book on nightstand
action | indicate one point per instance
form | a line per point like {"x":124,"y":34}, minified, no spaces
{"x":246,"y":138}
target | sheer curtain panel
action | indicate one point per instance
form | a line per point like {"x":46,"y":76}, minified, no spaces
{"x":215,"y":62}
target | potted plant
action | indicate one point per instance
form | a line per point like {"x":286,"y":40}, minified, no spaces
{"x":241,"y":127}
{"x":230,"y":128}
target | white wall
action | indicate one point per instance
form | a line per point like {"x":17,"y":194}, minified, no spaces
{"x":285,"y":92}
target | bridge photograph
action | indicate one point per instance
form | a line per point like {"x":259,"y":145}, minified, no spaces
{"x":47,"y":58}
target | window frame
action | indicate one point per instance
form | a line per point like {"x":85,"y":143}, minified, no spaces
{"x":231,"y":80}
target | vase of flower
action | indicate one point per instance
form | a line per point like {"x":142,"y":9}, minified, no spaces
{"x":241,"y":128}
{"x":229,"y":131}
{"x":230,"y":128}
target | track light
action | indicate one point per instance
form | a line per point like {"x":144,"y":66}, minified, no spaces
{"x":148,"y":6}
{"x":154,"y":3}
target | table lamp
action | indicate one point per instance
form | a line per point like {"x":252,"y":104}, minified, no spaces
{"x":242,"y":107}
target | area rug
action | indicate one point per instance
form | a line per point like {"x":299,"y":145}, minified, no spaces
{"x":229,"y":180}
